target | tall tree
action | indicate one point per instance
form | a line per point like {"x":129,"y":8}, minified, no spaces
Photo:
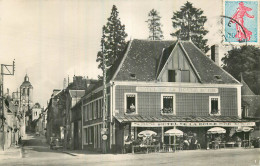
{"x":114,"y":39}
{"x":189,"y":24}
{"x":154,"y":25}
{"x":245,"y":60}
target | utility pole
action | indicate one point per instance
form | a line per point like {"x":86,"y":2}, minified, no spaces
{"x":5,"y":70}
{"x":104,"y":130}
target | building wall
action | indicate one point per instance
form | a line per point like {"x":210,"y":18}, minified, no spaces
{"x":149,"y":103}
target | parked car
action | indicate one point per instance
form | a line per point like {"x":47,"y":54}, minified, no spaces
{"x":37,"y":133}
{"x":55,"y":143}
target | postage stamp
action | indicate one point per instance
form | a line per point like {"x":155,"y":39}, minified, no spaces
{"x":241,"y":22}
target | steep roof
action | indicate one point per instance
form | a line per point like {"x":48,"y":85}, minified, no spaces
{"x":141,"y":60}
{"x":144,"y":60}
{"x":245,"y":90}
{"x":205,"y":67}
{"x":253,"y":104}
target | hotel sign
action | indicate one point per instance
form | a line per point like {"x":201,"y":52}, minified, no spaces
{"x":177,"y":89}
{"x":191,"y":124}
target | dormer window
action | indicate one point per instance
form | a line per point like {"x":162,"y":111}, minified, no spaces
{"x":171,"y":76}
{"x":178,"y":75}
{"x":132,"y":76}
{"x":218,"y":77}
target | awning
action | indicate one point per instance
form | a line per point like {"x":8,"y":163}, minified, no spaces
{"x":216,"y":130}
{"x":244,"y":129}
{"x":146,"y":133}
{"x":173,"y":132}
{"x":190,"y":121}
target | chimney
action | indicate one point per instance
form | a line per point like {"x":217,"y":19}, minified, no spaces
{"x":64,"y":83}
{"x":215,"y":54}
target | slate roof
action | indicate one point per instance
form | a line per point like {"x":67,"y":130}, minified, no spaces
{"x":169,"y":118}
{"x":245,"y":90}
{"x":252,"y":101}
{"x":26,"y":84}
{"x":205,"y":67}
{"x":146,"y":58}
{"x":141,"y":59}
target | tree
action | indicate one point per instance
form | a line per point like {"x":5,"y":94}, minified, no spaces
{"x":154,"y":25}
{"x":189,"y":24}
{"x":246,"y":61}
{"x":113,"y":38}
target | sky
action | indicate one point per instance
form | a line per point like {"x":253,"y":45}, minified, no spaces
{"x":53,"y":39}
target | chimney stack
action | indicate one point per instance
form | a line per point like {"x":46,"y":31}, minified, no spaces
{"x":215,"y":54}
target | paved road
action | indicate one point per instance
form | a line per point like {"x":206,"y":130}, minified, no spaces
{"x":37,"y":152}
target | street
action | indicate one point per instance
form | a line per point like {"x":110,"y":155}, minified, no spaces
{"x":36,"y":152}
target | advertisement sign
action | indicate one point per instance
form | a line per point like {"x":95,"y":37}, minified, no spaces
{"x":191,"y":124}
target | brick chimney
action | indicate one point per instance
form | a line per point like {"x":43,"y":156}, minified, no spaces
{"x":215,"y":54}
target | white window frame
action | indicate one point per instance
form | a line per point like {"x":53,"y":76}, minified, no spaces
{"x":125,"y":103}
{"x":219,"y":112}
{"x":85,"y":108}
{"x":174,"y":104}
{"x":85,"y":137}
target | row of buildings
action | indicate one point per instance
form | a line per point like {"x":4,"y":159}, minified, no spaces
{"x":155,"y":85}
{"x":19,"y":114}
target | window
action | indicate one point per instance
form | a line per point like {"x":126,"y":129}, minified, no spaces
{"x":86,"y":135}
{"x":171,"y":76}
{"x":90,"y":112}
{"x":94,"y":110}
{"x":185,"y":76}
{"x":130,"y":103}
{"x":86,"y":113}
{"x":214,"y":105}
{"x":167,"y":104}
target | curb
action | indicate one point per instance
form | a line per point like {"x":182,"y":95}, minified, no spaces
{"x":69,"y":153}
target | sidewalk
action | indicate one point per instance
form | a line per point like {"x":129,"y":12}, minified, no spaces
{"x":11,"y":153}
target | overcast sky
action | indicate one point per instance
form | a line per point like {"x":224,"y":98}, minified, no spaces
{"x":51,"y":39}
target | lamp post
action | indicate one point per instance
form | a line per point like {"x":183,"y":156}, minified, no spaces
{"x":104,"y":133}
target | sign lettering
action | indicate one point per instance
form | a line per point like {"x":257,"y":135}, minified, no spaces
{"x":191,"y":124}
{"x":177,"y":89}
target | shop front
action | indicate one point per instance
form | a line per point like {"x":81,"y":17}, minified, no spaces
{"x":168,"y":135}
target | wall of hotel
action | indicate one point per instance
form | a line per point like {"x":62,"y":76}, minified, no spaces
{"x":149,"y":103}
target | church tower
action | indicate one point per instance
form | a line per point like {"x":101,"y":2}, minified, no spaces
{"x":26,"y":96}
{"x":26,"y":92}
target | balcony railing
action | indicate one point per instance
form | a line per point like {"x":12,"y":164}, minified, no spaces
{"x":166,"y":111}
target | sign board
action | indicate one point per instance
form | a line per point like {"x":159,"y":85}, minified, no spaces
{"x":177,"y":89}
{"x":191,"y":124}
{"x":104,"y":137}
{"x":104,"y":131}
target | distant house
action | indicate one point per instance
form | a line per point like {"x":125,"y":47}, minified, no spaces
{"x":161,"y":85}
{"x":250,"y":106}
{"x":59,"y":114}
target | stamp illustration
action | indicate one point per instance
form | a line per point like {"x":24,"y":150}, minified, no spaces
{"x":241,"y":21}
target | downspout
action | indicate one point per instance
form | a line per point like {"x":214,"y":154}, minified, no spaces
{"x":82,"y":124}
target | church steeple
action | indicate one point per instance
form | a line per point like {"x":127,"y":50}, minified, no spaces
{"x":26,"y":78}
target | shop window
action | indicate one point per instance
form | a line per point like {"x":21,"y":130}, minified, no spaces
{"x":131,"y":103}
{"x":171,"y":76}
{"x":214,"y":106}
{"x":167,"y":104}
